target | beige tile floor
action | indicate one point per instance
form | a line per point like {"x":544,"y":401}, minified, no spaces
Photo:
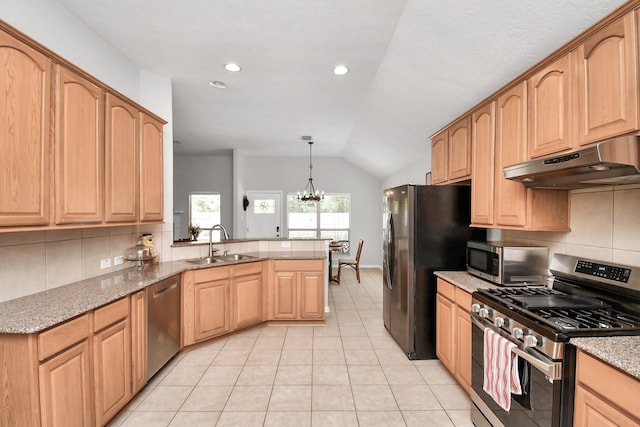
{"x":349,"y":372}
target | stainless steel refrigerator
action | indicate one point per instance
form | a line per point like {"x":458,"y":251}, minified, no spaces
{"x":425,"y":229}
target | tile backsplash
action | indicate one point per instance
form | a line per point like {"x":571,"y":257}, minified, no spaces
{"x":605,"y":225}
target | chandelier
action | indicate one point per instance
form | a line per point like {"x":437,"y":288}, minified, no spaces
{"x":310,"y":194}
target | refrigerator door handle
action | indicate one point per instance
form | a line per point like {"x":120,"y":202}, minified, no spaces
{"x":390,"y":253}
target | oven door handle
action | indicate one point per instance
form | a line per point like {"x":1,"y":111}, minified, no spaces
{"x":552,"y":370}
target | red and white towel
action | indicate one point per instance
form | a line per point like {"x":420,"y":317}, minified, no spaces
{"x":501,"y":377}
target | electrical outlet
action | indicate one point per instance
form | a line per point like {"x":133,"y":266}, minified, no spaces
{"x":286,"y":244}
{"x":105,"y":263}
{"x":117,"y":260}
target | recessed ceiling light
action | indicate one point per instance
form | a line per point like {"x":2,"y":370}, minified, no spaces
{"x":232,"y":67}
{"x":340,"y":70}
{"x":217,"y":84}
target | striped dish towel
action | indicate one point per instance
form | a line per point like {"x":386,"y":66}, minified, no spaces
{"x":501,"y":377}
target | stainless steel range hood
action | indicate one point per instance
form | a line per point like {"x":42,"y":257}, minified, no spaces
{"x":612,"y":162}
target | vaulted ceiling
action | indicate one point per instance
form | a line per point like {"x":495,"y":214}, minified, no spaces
{"x":414,"y":66}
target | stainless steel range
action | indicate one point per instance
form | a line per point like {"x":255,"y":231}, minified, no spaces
{"x":589,"y":298}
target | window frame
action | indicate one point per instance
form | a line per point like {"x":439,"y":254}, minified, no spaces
{"x":204,"y":231}
{"x":318,"y":229}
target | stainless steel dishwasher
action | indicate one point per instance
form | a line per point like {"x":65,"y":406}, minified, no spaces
{"x":163,"y":323}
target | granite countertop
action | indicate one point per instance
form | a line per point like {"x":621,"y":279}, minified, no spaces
{"x":42,"y":310}
{"x":464,"y":280}
{"x":621,"y":352}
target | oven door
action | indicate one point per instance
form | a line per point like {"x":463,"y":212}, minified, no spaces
{"x":542,"y":386}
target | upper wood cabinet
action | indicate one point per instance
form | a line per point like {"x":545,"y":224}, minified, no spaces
{"x":79,"y":150}
{"x":151,"y":169}
{"x":121,"y":160}
{"x":550,"y":108}
{"x":451,"y":153}
{"x":483,"y":160}
{"x":608,"y":81}
{"x":25,"y":138}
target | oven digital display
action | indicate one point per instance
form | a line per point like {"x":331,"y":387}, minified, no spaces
{"x":618,"y":274}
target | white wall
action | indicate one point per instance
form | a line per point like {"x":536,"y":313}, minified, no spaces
{"x":331,"y":175}
{"x":414,"y":173}
{"x":202,"y":173}
{"x":239,"y":190}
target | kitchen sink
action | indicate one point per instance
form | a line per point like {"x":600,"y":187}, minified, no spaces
{"x":205,"y":260}
{"x":235,"y":257}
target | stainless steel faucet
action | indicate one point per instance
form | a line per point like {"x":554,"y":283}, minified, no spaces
{"x":216,"y":227}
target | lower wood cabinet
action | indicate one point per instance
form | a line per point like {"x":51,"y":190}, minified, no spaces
{"x":604,"y":395}
{"x":247,"y":295}
{"x":212,"y":303}
{"x":297,"y":290}
{"x":138,"y":341}
{"x":453,"y":331}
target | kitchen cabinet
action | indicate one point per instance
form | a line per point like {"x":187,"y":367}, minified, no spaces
{"x":483,"y":161}
{"x":121,"y":160}
{"x":551,"y":108}
{"x":453,"y":331}
{"x":112,"y":359}
{"x":138,"y":341}
{"x":607,"y":83}
{"x":451,"y":153}
{"x":151,"y":169}
{"x":604,"y":395}
{"x":296,"y":291}
{"x":66,"y":386}
{"x":212,"y":303}
{"x":79,"y":150}
{"x":25,"y":138}
{"x":247,"y":294}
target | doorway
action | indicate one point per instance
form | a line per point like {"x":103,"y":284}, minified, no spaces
{"x":264,"y":214}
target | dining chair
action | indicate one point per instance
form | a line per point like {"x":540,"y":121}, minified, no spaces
{"x":352,"y":262}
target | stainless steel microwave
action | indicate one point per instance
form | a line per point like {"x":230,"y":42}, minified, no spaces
{"x":505,"y":263}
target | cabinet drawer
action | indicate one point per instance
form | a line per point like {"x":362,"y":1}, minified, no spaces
{"x":111,"y":313}
{"x":299,"y":265}
{"x":463,"y":299}
{"x":248,"y":268}
{"x":446,"y":289}
{"x":60,"y":337}
{"x":209,"y":274}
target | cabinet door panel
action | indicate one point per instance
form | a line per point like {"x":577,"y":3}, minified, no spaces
{"x":121,"y":160}
{"x":138,"y":341}
{"x":151,"y":169}
{"x":463,"y":348}
{"x":483,"y":165}
{"x":285,"y":296}
{"x":445,"y":319}
{"x":79,"y":150}
{"x":459,"y":158}
{"x":607,"y":81}
{"x":591,"y":410}
{"x":247,"y":300}
{"x":212,"y":306}
{"x":25,"y":97}
{"x":311,"y":295}
{"x":66,"y":397}
{"x":439,"y":158}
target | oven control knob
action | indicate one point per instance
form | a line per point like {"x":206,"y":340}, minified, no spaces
{"x":499,"y":322}
{"x":485,"y":312}
{"x":517,"y":333}
{"x":530,"y":341}
{"x":475,"y":307}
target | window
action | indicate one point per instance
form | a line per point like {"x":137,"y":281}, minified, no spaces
{"x":329,"y":219}
{"x":204,"y":211}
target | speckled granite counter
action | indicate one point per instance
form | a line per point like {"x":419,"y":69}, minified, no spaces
{"x":36,"y":312}
{"x":464,"y":280}
{"x":621,"y":352}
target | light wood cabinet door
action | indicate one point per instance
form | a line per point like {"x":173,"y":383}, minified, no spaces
{"x":212,"y":309}
{"x":25,"y":138}
{"x":151,"y":169}
{"x":445,"y":329}
{"x":459,"y":158}
{"x":66,"y":394}
{"x":311,"y":295}
{"x":138,"y":341}
{"x":112,"y":370}
{"x":285,"y":295}
{"x":483,"y":164}
{"x":592,"y":410}
{"x":247,"y":297}
{"x":121,"y":160}
{"x":608,"y":81}
{"x":79,"y":147}
{"x":550,"y":109}
{"x":439,"y":157}
{"x":511,"y":148}
{"x":463,"y":348}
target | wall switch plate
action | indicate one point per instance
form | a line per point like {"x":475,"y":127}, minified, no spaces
{"x":286,"y":244}
{"x":105,"y":263}
{"x":117,"y":260}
